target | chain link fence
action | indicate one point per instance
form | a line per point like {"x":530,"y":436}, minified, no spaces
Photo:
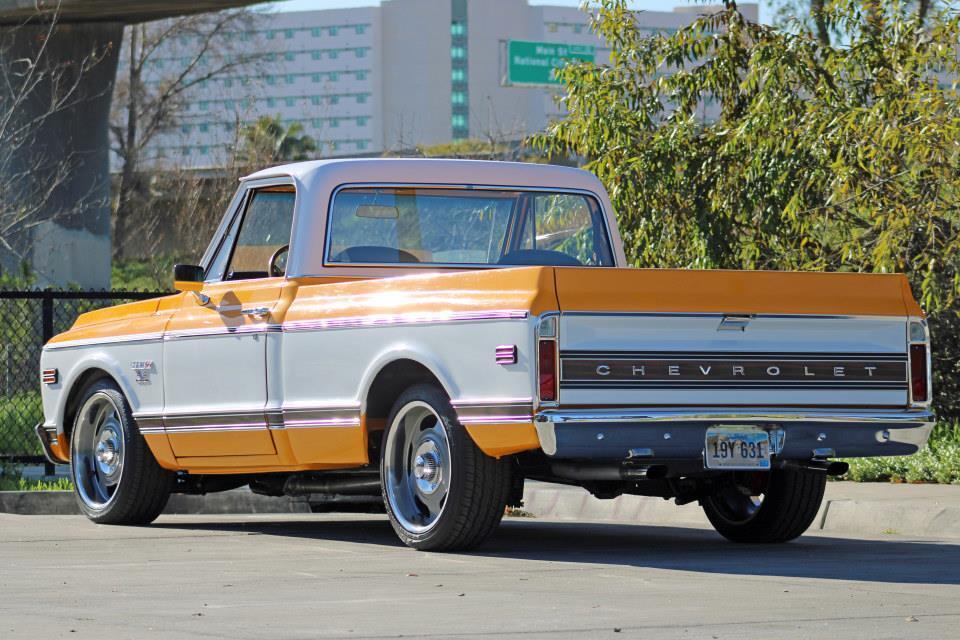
{"x":27,"y":320}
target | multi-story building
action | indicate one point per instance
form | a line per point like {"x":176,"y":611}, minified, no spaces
{"x":387,"y":78}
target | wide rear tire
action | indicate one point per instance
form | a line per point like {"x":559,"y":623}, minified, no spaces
{"x":116,"y":479}
{"x":441,"y":492}
{"x":775,"y":506}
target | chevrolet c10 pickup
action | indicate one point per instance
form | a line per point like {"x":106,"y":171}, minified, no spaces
{"x":439,"y":331}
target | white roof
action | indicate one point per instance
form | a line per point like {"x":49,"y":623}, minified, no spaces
{"x":433,"y":171}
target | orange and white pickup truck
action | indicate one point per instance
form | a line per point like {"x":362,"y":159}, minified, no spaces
{"x":439,"y":331}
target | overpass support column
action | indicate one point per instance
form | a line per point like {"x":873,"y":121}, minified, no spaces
{"x":55,"y":89}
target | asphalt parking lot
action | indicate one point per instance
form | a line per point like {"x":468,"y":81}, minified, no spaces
{"x":346,"y":576}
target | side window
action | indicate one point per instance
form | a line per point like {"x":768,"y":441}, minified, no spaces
{"x":254,"y":237}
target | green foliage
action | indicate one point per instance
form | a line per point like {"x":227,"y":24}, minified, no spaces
{"x":729,"y":144}
{"x":22,"y":484}
{"x":19,"y":413}
{"x":938,"y":462}
{"x":143,"y":275}
{"x":268,"y":141}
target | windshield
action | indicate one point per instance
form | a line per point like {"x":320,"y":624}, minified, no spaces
{"x":390,"y":225}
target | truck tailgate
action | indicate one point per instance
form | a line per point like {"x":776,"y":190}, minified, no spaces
{"x":729,"y":338}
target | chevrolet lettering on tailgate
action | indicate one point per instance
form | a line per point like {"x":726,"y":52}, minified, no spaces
{"x":436,"y":332}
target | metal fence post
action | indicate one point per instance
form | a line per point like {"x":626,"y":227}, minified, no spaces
{"x":46,"y":314}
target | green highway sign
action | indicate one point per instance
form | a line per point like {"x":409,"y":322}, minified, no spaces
{"x":534,"y":63}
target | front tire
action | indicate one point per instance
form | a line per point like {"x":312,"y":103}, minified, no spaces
{"x":441,"y":492}
{"x":116,"y":479}
{"x":774,"y":506}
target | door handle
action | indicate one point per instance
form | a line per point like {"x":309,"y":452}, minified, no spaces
{"x":256,"y":311}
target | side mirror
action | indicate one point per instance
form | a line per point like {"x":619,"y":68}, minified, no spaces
{"x":187,"y":277}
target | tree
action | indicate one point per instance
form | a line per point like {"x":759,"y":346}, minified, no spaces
{"x":268,"y":141}
{"x":812,"y":155}
{"x":151,"y":91}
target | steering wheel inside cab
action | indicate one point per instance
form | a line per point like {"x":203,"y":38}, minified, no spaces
{"x":277,"y":266}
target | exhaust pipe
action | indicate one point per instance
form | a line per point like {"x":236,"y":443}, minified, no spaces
{"x":344,"y":485}
{"x":829,"y":467}
{"x":607,"y":472}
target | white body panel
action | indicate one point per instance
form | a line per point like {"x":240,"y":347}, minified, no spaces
{"x":335,"y":367}
{"x":699,"y":335}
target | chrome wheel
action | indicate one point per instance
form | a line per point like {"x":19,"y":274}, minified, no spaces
{"x":416,"y":467}
{"x":98,"y":451}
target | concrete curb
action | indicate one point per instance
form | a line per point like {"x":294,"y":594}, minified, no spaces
{"x":60,"y":503}
{"x":850,"y":508}
{"x":912,"y":510}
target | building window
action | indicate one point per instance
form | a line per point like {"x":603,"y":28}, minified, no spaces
{"x":203,"y":127}
{"x":271,"y":80}
{"x":334,"y":122}
{"x":458,"y":97}
{"x":227,"y":82}
{"x":458,"y":52}
{"x":578,"y":28}
{"x":271,"y":34}
{"x":458,"y":120}
{"x":361,"y":98}
{"x":362,"y":121}
{"x":315,"y":100}
{"x":552,"y":27}
{"x":334,"y":30}
{"x":204,"y":105}
{"x":360,"y":28}
{"x":185,"y":128}
{"x":458,"y":75}
{"x":361,"y":145}
{"x":335,"y":146}
{"x":457,"y":28}
{"x":361,"y":75}
{"x":288,"y":34}
{"x":360,"y":52}
{"x":315,"y":55}
{"x":290,"y":78}
{"x":316,"y":32}
{"x":317,"y":123}
{"x":271,"y":102}
{"x":289,"y":56}
{"x":333,"y":54}
{"x":315,"y":77}
{"x":290,"y":102}
{"x":333,"y":100}
{"x":334,"y":76}
{"x":204,"y":150}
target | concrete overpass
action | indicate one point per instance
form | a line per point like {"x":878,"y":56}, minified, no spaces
{"x":73,"y":247}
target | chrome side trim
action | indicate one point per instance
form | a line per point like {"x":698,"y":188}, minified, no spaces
{"x":493,"y":411}
{"x":356,"y":322}
{"x":403,"y":319}
{"x":891,"y":417}
{"x":133,"y":337}
{"x":248,"y":420}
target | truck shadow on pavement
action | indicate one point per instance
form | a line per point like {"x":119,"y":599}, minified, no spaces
{"x":906,"y":561}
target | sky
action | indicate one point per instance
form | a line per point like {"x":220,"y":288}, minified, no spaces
{"x":309,"y":5}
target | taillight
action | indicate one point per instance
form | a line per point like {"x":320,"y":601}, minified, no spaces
{"x":546,"y":369}
{"x":919,"y":385}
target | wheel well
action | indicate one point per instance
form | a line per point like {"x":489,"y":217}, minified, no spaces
{"x":86,"y":379}
{"x":389,"y":383}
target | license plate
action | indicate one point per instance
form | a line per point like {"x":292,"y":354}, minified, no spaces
{"x":737,"y":448}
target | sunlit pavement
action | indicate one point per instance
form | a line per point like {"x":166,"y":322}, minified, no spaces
{"x":346,"y":576}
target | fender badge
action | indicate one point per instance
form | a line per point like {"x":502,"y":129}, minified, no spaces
{"x":143,"y":369}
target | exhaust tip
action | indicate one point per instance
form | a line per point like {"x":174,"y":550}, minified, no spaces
{"x":657,"y":472}
{"x":837,"y":468}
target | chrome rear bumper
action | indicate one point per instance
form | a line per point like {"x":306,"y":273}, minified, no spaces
{"x":678,"y":433}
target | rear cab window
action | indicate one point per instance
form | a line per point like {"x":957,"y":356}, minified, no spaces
{"x":468,"y":227}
